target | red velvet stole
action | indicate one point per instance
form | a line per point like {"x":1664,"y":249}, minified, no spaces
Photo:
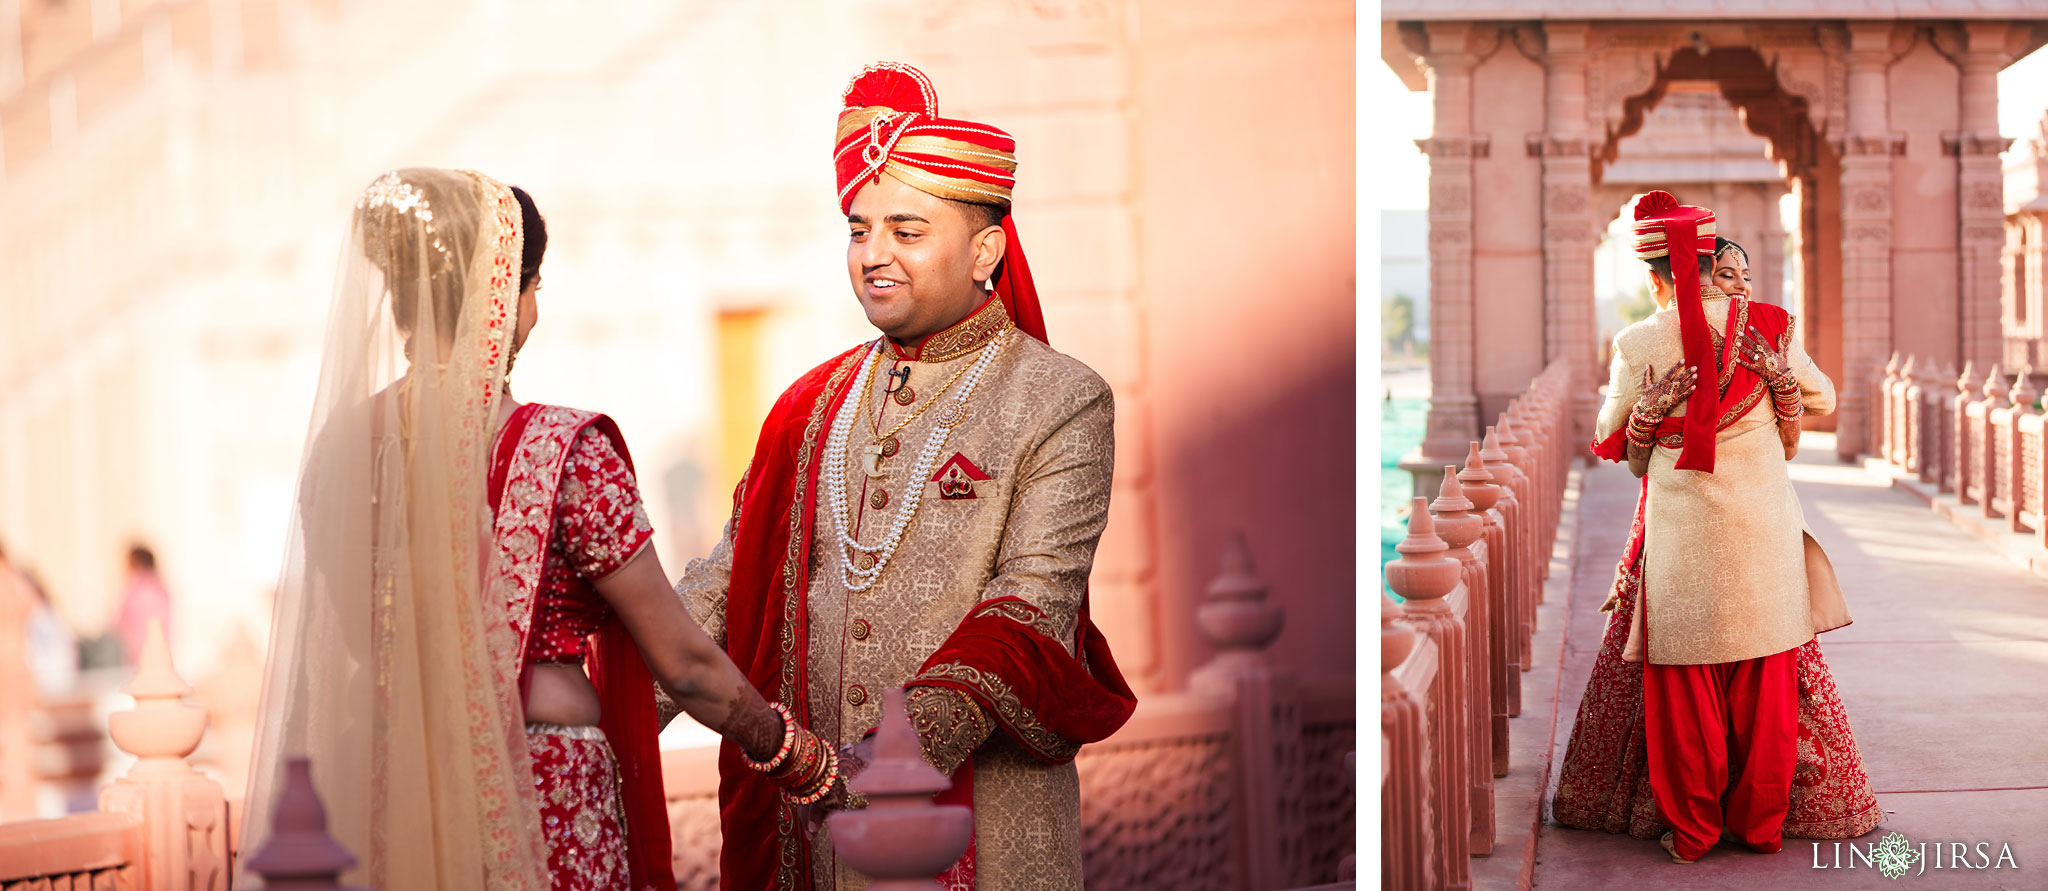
{"x":1046,"y":698}
{"x":624,"y":685}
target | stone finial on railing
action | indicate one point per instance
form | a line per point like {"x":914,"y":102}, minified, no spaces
{"x":1994,"y":387}
{"x":901,"y":839}
{"x":1455,"y":523}
{"x":1475,"y":482}
{"x":1967,"y":381}
{"x":1891,"y":368}
{"x":1906,"y":371}
{"x":184,"y":814}
{"x":2023,"y":393}
{"x":1235,"y":616}
{"x":300,"y":855}
{"x":1424,"y":571}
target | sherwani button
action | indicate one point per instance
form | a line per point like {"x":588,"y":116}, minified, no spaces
{"x":856,"y":695}
{"x":861,"y":629}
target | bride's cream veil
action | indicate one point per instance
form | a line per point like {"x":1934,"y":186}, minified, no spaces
{"x":388,"y":658}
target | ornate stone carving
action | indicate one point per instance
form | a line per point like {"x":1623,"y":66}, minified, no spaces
{"x":1873,"y":200}
{"x":1450,"y":197}
{"x":1870,"y":233}
{"x":1983,"y":196}
{"x":1564,"y":199}
{"x":1542,"y":146}
{"x":1154,"y":816}
{"x":1894,"y":144}
{"x":1974,"y":144}
{"x":1454,"y":147}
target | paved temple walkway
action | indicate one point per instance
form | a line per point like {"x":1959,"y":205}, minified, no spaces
{"x":1944,"y":673}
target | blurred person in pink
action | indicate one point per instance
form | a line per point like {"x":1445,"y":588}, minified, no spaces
{"x":472,"y":614}
{"x":143,"y":598}
{"x":922,"y":511}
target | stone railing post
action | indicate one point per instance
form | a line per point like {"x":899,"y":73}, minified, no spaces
{"x":1896,"y":410}
{"x":183,"y":813}
{"x":1881,"y":410}
{"x":1435,"y":605}
{"x":1504,"y":682}
{"x":2022,"y":395}
{"x":300,"y":855}
{"x":1933,"y":427}
{"x":1462,"y":530}
{"x":1408,"y":816}
{"x":1236,"y":618}
{"x":1987,"y":433}
{"x":1960,"y":438}
{"x":1911,"y":389}
{"x":1526,"y":451}
{"x":1515,"y":510}
{"x":1530,"y":491}
{"x":901,"y":839}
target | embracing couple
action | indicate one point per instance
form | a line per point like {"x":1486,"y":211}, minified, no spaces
{"x":476,"y":644}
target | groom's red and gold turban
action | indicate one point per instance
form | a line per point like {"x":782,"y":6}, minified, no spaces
{"x":890,"y":123}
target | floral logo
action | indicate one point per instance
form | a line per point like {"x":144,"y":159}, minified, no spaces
{"x":1894,"y":855}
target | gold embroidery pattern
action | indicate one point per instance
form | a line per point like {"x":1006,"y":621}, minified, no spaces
{"x":949,"y":724}
{"x":525,"y":519}
{"x":576,"y":783}
{"x":1021,"y":613}
{"x":792,"y":562}
{"x":966,"y":336}
{"x":1010,"y":710}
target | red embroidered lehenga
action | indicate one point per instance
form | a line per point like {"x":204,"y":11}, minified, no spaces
{"x":436,"y":555}
{"x":1604,"y":780}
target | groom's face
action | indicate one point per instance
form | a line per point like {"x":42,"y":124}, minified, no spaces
{"x":912,"y":258}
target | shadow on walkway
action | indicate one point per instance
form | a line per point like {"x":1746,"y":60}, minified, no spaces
{"x":1943,"y":674}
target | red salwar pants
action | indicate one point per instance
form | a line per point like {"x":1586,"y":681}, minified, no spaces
{"x":1704,"y":720}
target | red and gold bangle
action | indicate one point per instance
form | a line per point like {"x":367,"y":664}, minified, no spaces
{"x":789,"y":740}
{"x":820,"y":785}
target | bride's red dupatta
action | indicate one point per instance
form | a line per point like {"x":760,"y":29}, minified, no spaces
{"x":526,"y":472}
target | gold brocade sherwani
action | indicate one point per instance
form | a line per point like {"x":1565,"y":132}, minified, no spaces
{"x":1730,"y":571}
{"x":1039,"y":428}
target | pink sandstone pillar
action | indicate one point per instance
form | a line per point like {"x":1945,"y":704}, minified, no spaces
{"x":1436,"y":606}
{"x":901,"y":839}
{"x":1454,"y":402}
{"x":184,"y":814}
{"x":1462,"y":530}
{"x":300,"y":855}
{"x":1408,"y":817}
{"x":1504,"y":680}
{"x":1980,"y":185}
{"x":1568,"y":229}
{"x":1866,"y":151}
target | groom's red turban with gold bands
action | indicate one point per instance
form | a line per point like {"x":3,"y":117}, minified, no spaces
{"x":1665,"y":228}
{"x":890,"y":123}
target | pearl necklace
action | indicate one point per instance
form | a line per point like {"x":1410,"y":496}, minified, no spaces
{"x":877,"y":556}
